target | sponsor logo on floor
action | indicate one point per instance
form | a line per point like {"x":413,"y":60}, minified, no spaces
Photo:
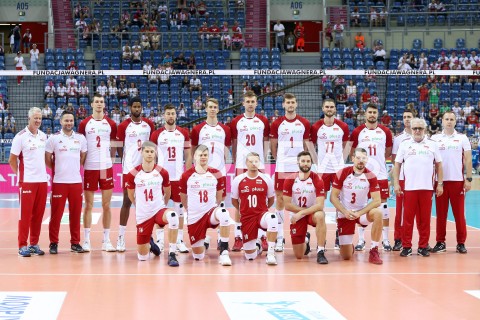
{"x":30,"y":305}
{"x":277,"y":305}
{"x":475,"y":293}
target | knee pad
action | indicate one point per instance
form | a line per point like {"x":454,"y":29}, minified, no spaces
{"x":178,"y":208}
{"x":272,"y":222}
{"x":363,"y":220}
{"x":172,"y":218}
{"x":222,"y":216}
{"x":250,"y":245}
{"x":142,"y":257}
{"x":250,"y":256}
{"x":385,"y":211}
{"x":344,"y":240}
{"x":198,"y":256}
{"x":199,"y":243}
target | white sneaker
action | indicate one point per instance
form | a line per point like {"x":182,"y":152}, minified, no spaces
{"x":86,"y":246}
{"x":161,"y":245}
{"x":107,"y":246}
{"x":224,"y":259}
{"x":121,"y":244}
{"x":279,"y":245}
{"x":181,"y":247}
{"x":206,"y":242}
{"x":271,"y":259}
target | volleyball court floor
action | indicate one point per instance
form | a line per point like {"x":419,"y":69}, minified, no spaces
{"x":100,"y":285}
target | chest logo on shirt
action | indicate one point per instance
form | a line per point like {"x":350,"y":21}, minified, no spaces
{"x":245,"y":189}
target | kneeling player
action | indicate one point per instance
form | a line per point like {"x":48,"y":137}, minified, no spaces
{"x":350,"y":197}
{"x":201,"y":191}
{"x":252,"y":195}
{"x":304,"y":196}
{"x":148,"y":188}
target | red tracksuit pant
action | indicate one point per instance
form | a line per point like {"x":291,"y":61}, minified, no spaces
{"x":61,"y":192}
{"x":417,"y":204}
{"x":397,"y":235}
{"x":33,"y":199}
{"x":454,"y":193}
{"x":19,"y":78}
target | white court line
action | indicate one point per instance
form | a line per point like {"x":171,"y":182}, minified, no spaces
{"x":404,"y":285}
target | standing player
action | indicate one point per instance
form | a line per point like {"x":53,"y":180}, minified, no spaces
{"x":350,"y":193}
{"x":421,"y":160}
{"x":249,"y":134}
{"x":289,"y":135}
{"x":377,"y":140}
{"x":201,"y":190}
{"x":28,"y":147}
{"x":406,"y":134}
{"x":100,"y":132}
{"x":173,"y":148}
{"x":65,"y":152}
{"x":456,"y":153}
{"x":149,"y":190}
{"x":132,"y":132}
{"x":252,"y":195}
{"x":304,"y":196}
{"x":331,"y":136}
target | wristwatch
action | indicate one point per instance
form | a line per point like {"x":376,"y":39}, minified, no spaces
{"x":469,"y":179}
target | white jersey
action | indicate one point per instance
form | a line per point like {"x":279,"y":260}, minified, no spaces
{"x":329,"y":140}
{"x":249,"y":133}
{"x":201,"y":190}
{"x":133,"y":135}
{"x":375,"y":141}
{"x":451,"y":149}
{"x":216,"y":138}
{"x":30,"y":150}
{"x":355,"y":189}
{"x":149,"y":196}
{"x":399,"y":138}
{"x":418,"y":160}
{"x":99,"y":133}
{"x":66,"y":151}
{"x":170,"y":150}
{"x":290,"y":135}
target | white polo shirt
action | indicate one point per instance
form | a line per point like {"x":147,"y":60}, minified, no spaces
{"x":30,"y":150}
{"x":451,"y":149}
{"x":66,"y":150}
{"x":396,"y":144}
{"x":418,"y":160}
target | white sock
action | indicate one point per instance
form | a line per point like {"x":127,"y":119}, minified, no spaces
{"x":307,"y":240}
{"x":238,"y":229}
{"x":374,"y":244}
{"x":320,"y":249}
{"x":280,"y":214}
{"x":160,"y":234}
{"x":361,"y":234}
{"x":106,"y":235}
{"x":172,"y":247}
{"x":180,"y":235}
{"x":86,"y":231}
{"x":271,"y":246}
{"x":385,"y":233}
{"x":121,"y":230}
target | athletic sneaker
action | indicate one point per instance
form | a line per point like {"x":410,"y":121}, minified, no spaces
{"x":86,"y":246}
{"x":461,"y":248}
{"x":397,"y":245}
{"x":108,"y":247}
{"x":406,"y":252}
{"x":121,"y":244}
{"x":206,"y":242}
{"x":238,"y":244}
{"x":53,"y":248}
{"x":271,"y":259}
{"x":360,"y":246}
{"x":374,"y":256}
{"x":264,"y":242}
{"x":35,"y":250}
{"x":172,"y":260}
{"x":337,"y":244}
{"x":440,"y":247}
{"x":279,"y":244}
{"x":154,"y":248}
{"x":161,"y":244}
{"x":259,"y":248}
{"x":321,"y":257}
{"x":224,"y":259}
{"x":386,"y":245}
{"x":181,"y":247}
{"x":76,"y":248}
{"x":307,"y":247}
{"x":429,"y":249}
{"x":24,"y":252}
{"x":423,"y":252}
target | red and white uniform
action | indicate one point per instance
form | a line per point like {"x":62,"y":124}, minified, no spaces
{"x":252,"y":194}
{"x":67,"y":182}
{"x":399,"y":138}
{"x":133,"y":135}
{"x":99,"y":133}
{"x":452,"y":148}
{"x":250,"y":133}
{"x":216,"y":138}
{"x":290,"y":135}
{"x":304,"y":193}
{"x":201,"y":190}
{"x":32,"y":182}
{"x":399,"y":196}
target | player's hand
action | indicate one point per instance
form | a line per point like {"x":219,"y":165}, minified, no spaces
{"x":294,"y":218}
{"x":439,"y":190}
{"x":351,"y":215}
{"x":467,"y":186}
{"x":397,"y":189}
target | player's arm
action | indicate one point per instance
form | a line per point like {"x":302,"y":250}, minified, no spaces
{"x":467,"y":159}
{"x":12,"y":161}
{"x":83,"y":157}
{"x":274,"y":147}
{"x":187,"y":154}
{"x":236,"y":204}
{"x":113,"y":149}
{"x":310,"y":147}
{"x":347,"y":147}
{"x":376,"y":201}
{"x":183,"y":198}
{"x":49,"y":159}
{"x":439,"y":170}
{"x":266,"y":148}
{"x":234,"y":149}
{"x":396,"y":177}
{"x":335,"y":200}
{"x":388,"y":152}
{"x":271,"y":201}
{"x":167,"y":193}
{"x":219,"y":196}
{"x":131,"y":195}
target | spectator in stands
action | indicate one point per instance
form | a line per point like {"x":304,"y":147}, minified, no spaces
{"x":198,"y":106}
{"x":359,"y":41}
{"x":83,"y":90}
{"x":328,"y":36}
{"x":383,"y":16}
{"x":349,"y":112}
{"x":3,"y":106}
{"x":102,"y":89}
{"x":214,"y":31}
{"x":195,"y":84}
{"x":386,"y":120}
{"x":355,"y":18}
{"x":299,"y":33}
{"x":338,"y":34}
{"x":374,"y":99}
{"x":116,"y":115}
{"x":155,"y":40}
{"x":192,"y":9}
{"x":9,"y":127}
{"x":274,"y":117}
{"x":164,"y":78}
{"x":257,"y":88}
{"x":136,"y":55}
{"x":145,"y":41}
{"x":468,"y":108}
{"x":366,"y":97}
{"x":404,"y":65}
{"x":132,"y":91}
{"x":434,"y":127}
{"x":202,"y":9}
{"x":360,"y":116}
{"x":162,"y":9}
{"x":122,"y":91}
{"x":50,"y":91}
{"x":379,"y":54}
{"x":423,"y":95}
{"x":351,"y":91}
{"x":182,"y":112}
{"x":183,"y":18}
{"x":279,"y":30}
{"x":267,"y":89}
{"x":127,"y":53}
{"x":422,"y":62}
{"x":72,"y":66}
{"x":81,"y":112}
{"x":80,"y":25}
{"x":444,"y":108}
{"x":433,"y":95}
{"x":147,"y":66}
{"x":237,"y":41}
{"x":191,"y":63}
{"x":2,"y":51}
{"x":342,"y":96}
{"x":225,"y":38}
{"x":19,"y":65}
{"x":72,"y":92}
{"x":59,"y":112}
{"x":373,"y":17}
{"x":167,"y":59}
{"x":180,"y":62}
{"x":456,"y":108}
{"x":47,"y":112}
{"x":461,"y":119}
{"x":476,"y":111}
{"x":61,"y":90}
{"x":433,"y":112}
{"x":203,"y":31}
{"x":236,"y":28}
{"x":112,"y":92}
{"x":70,"y":80}
{"x":34,"y":56}
{"x":70,"y":108}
